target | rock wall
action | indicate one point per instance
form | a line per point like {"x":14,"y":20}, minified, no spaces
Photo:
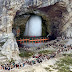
{"x":8,"y":9}
{"x":10,"y":47}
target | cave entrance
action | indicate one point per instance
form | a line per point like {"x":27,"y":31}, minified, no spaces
{"x":20,"y":22}
{"x":52,"y":21}
{"x":31,"y":26}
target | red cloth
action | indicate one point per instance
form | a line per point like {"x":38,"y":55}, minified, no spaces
{"x":36,"y":56}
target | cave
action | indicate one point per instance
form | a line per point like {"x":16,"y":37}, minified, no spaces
{"x":51,"y":16}
{"x":30,"y":25}
{"x":56,"y":21}
{"x":21,"y":21}
{"x":50,"y":22}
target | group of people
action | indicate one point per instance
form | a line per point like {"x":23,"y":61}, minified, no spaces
{"x":38,"y":58}
{"x":59,"y":46}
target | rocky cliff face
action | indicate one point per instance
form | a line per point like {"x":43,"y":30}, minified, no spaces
{"x":9,"y":8}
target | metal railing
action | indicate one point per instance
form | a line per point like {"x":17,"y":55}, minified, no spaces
{"x":33,"y":40}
